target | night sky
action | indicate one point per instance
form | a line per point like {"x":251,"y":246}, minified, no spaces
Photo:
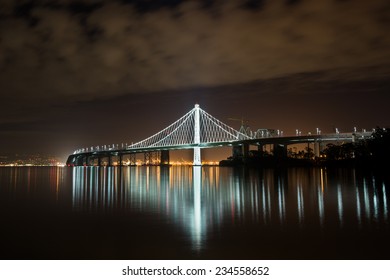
{"x":80,"y":73}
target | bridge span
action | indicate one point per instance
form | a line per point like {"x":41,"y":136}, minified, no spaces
{"x":197,"y":130}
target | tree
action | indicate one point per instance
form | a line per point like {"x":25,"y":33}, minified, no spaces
{"x":332,"y":151}
{"x":379,"y":145}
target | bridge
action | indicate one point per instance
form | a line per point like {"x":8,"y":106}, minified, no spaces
{"x":197,"y":130}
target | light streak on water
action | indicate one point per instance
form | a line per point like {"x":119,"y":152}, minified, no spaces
{"x":74,"y":187}
{"x":385,"y":210}
{"x":264,"y":199}
{"x":320,"y":193}
{"x":237,"y":196}
{"x":340,"y":204}
{"x":375,"y":201}
{"x":269,"y":203}
{"x":281,"y":202}
{"x":109,"y":186}
{"x":366,"y":201}
{"x":321,"y":210}
{"x":358,"y":207}
{"x":91,"y":183}
{"x":300,"y":203}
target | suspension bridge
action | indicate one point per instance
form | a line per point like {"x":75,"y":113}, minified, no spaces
{"x":197,"y":130}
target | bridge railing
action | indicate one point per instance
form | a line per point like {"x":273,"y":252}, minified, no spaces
{"x":324,"y":137}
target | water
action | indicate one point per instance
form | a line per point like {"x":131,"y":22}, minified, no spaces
{"x":193,"y":213}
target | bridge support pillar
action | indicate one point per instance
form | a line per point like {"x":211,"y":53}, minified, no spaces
{"x":147,"y":158}
{"x":245,"y":150}
{"x":133,"y":159}
{"x":197,"y":156}
{"x":241,"y":151}
{"x":164,"y":160}
{"x":75,"y":160}
{"x":237,"y":152}
{"x":86,"y":160}
{"x":317,"y":149}
{"x":280,"y":151}
{"x":70,"y":160}
{"x":79,"y":160}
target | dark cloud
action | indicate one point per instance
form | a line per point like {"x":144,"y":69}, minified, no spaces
{"x":94,"y":49}
{"x":66,"y":53}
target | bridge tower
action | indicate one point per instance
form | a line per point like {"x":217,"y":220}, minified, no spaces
{"x":197,"y":156}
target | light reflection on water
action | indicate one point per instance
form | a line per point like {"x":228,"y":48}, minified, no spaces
{"x":202,"y":199}
{"x":193,"y":212}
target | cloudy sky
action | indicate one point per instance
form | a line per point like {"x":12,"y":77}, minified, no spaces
{"x":82,"y":73}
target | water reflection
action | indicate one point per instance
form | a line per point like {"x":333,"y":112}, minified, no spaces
{"x":46,"y":183}
{"x":197,"y":216}
{"x":202,"y":199}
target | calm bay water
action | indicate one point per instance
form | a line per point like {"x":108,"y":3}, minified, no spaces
{"x":193,"y":213}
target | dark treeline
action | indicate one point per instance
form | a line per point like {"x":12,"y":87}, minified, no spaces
{"x":373,"y":151}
